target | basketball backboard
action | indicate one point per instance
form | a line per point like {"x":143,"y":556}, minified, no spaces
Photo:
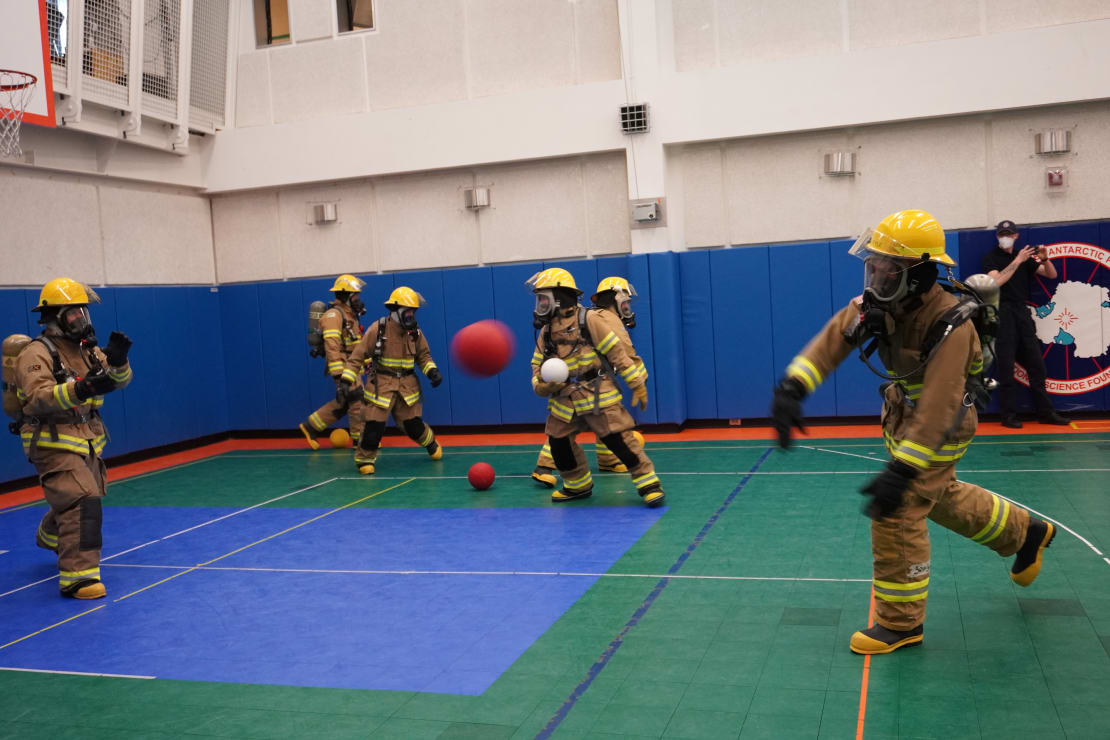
{"x":24,"y":47}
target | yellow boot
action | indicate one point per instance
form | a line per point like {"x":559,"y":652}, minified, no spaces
{"x":544,"y":476}
{"x":879,"y":640}
{"x":617,"y":467}
{"x":1027,"y":564}
{"x":435,"y":451}
{"x":309,"y":437}
{"x":86,"y":590}
{"x":365,"y":464}
{"x":568,"y":495}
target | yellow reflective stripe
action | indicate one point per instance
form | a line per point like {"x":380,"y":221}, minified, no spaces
{"x":535,"y":380}
{"x":427,"y":437}
{"x":317,"y":423}
{"x":429,"y":365}
{"x":335,"y":367}
{"x":901,"y":586}
{"x":1000,"y":513}
{"x":537,"y":358}
{"x":634,"y":372}
{"x":559,"y":411}
{"x":120,"y":376}
{"x":602,"y":449}
{"x":977,"y":367}
{"x":70,"y":577}
{"x":412,"y":398}
{"x":20,"y":394}
{"x":912,"y":390}
{"x":62,"y":396}
{"x":331,"y":334}
{"x":375,"y":399}
{"x":805,"y":371}
{"x":65,"y":442}
{"x":645,"y":480}
{"x":907,"y":597}
{"x":99,"y":444}
{"x":546,"y":449}
{"x":349,"y":375}
{"x":401,"y":362}
{"x":50,"y":539}
{"x":579,"y":483}
{"x":914,"y":454}
{"x":607,"y":343}
{"x":94,"y":402}
{"x":952,"y":452}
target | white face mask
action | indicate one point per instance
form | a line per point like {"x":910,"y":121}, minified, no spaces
{"x":1006,"y":242}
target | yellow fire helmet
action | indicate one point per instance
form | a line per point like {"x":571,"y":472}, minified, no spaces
{"x":65,"y":291}
{"x":552,"y":277}
{"x":406,"y":297}
{"x":615,"y":283}
{"x":348,"y":284}
{"x":909,"y":234}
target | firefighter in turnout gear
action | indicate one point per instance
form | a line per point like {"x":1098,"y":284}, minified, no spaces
{"x":613,"y":295}
{"x":61,"y":379}
{"x":341,"y":331}
{"x":395,"y":348}
{"x":933,"y":363}
{"x":588,"y":341}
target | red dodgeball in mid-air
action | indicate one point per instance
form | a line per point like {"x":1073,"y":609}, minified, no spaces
{"x":483,"y":348}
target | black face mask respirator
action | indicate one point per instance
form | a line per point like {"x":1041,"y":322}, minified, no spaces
{"x":357,"y":305}
{"x":76,"y":324}
{"x":406,"y":317}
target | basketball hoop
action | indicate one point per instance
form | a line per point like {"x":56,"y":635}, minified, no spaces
{"x":16,"y":89}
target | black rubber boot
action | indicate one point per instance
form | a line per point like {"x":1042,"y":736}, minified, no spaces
{"x":879,"y":640}
{"x":1027,"y":563}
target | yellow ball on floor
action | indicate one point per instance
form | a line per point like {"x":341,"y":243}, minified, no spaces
{"x":639,"y":437}
{"x":340,"y":438}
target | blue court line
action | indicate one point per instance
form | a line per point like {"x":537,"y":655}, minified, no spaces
{"x":596,"y":668}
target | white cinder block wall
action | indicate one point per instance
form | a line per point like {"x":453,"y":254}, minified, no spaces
{"x":939,"y":99}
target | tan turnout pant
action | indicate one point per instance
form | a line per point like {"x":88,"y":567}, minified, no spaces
{"x":73,"y":486}
{"x":900,"y":543}
{"x":571,"y":461}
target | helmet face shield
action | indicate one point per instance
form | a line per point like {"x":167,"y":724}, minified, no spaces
{"x":406,"y":317}
{"x":884,"y":278}
{"x":545,"y":302}
{"x":75,"y":322}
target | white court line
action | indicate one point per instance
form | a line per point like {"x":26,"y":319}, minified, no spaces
{"x":327,"y":571}
{"x":73,"y":673}
{"x":1059,"y":524}
{"x":183,"y":531}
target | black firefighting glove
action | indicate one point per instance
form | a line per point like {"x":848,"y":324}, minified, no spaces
{"x":786,"y":409}
{"x":96,"y":384}
{"x":434,"y":377}
{"x":117,"y":348}
{"x":886,"y":489}
{"x":347,"y":392}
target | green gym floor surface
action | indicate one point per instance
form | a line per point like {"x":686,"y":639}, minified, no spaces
{"x":724,"y":615}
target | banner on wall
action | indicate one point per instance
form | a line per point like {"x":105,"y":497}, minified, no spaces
{"x":1072,"y":319}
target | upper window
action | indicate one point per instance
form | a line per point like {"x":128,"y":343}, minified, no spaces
{"x":354,"y":15}
{"x":271,"y":22}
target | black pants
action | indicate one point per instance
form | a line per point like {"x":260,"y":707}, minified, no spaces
{"x":1017,"y":341}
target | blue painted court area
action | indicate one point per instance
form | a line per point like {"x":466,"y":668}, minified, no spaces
{"x":296,"y":610}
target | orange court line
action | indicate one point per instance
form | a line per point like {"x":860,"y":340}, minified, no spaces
{"x":866,"y":673}
{"x":832,"y":431}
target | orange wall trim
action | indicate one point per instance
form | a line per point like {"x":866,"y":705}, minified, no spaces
{"x":855,"y":431}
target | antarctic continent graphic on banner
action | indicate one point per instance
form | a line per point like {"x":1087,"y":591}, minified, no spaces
{"x":1072,"y":318}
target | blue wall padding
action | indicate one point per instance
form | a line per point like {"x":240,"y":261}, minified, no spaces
{"x":741,"y":297}
{"x":281,"y":318}
{"x":206,"y":347}
{"x":468,"y":294}
{"x":640,"y":277}
{"x":16,"y":319}
{"x":700,"y":363}
{"x":856,"y":393}
{"x":512,"y":305}
{"x":801,"y":303}
{"x":716,"y":329}
{"x":433,"y":323}
{"x":666,"y":331}
{"x":246,"y":381}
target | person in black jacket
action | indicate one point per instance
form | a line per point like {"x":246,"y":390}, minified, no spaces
{"x":1017,"y":337}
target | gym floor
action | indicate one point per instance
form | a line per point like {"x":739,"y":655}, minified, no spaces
{"x":259,"y":590}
